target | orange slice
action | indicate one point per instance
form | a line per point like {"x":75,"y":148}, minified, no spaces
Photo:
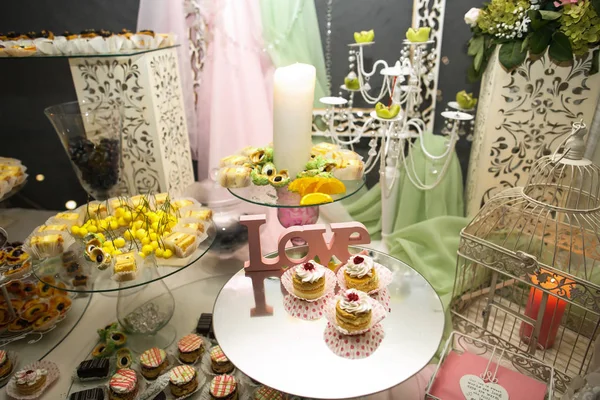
{"x":331,"y":186}
{"x":315,"y":198}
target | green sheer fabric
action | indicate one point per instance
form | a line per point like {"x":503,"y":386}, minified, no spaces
{"x":414,"y":205}
{"x":291,"y":29}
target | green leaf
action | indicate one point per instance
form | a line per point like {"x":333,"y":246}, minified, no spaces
{"x":560,"y":48}
{"x":511,"y":55}
{"x":596,"y":4}
{"x":478,"y":60}
{"x":536,"y":20}
{"x":595,"y":62}
{"x":476,"y":45}
{"x":539,"y":40}
{"x":525,"y":44}
{"x":550,"y":15}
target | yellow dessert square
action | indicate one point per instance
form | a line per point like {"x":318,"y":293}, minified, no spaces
{"x":139,"y":200}
{"x":116,"y":203}
{"x":125,"y":263}
{"x":203,"y":214}
{"x":95,"y":209}
{"x":48,"y":228}
{"x":181,"y":203}
{"x":161,"y":198}
{"x":68,"y":216}
{"x":197,"y":226}
{"x":182,"y":244}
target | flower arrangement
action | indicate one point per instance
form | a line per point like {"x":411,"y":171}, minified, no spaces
{"x":566,"y":28}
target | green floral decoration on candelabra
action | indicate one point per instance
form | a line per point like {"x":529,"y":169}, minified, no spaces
{"x":564,"y":28}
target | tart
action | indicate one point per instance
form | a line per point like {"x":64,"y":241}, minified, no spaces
{"x":17,"y":269}
{"x":29,"y":289}
{"x":59,"y":286}
{"x":353,"y":311}
{"x":60,"y":304}
{"x":16,"y":256}
{"x":223,"y":387}
{"x":219,"y":363}
{"x":182,"y":244}
{"x":29,"y":381}
{"x":34,"y":311}
{"x":267,"y":393}
{"x":46,"y":321}
{"x":103,"y":333}
{"x":153,"y":362}
{"x":44,"y":289}
{"x":124,"y":359}
{"x":123,"y":385}
{"x":103,"y":350}
{"x":183,"y":380}
{"x":190,"y":348}
{"x":117,"y":338}
{"x":15,"y":287}
{"x":5,"y":365}
{"x":360,"y":274}
{"x":308,"y":280}
{"x":19,"y":325}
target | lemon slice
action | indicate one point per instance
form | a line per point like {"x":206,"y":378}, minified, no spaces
{"x":315,"y":198}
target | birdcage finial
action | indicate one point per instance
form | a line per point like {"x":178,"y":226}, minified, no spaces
{"x":575,"y":145}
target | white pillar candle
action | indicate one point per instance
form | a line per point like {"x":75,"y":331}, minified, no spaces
{"x":293,"y":94}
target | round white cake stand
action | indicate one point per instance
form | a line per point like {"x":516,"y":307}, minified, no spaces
{"x":290,"y":354}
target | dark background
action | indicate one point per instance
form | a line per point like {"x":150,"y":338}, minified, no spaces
{"x":30,"y":85}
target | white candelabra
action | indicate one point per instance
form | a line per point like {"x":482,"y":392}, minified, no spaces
{"x":397,"y":137}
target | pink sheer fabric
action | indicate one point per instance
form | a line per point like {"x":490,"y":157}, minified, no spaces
{"x":169,"y":16}
{"x":235,"y":100}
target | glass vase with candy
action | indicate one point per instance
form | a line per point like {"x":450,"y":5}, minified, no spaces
{"x":91,"y":135}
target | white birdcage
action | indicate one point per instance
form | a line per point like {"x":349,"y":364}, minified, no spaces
{"x":528,"y":271}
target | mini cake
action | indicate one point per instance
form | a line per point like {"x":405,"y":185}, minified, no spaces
{"x":197,"y":227}
{"x":204,"y":325}
{"x":47,"y":245}
{"x":153,"y":361}
{"x":123,"y":385}
{"x":182,"y":380}
{"x":5,"y":365}
{"x":223,"y":387}
{"x":51,"y":228}
{"x":353,"y":311}
{"x":89,"y":394}
{"x":124,"y":358}
{"x":181,"y":203}
{"x":69,"y":218}
{"x":190,"y":348}
{"x":30,"y":381}
{"x":203,"y":214}
{"x":182,"y":244}
{"x":93,"y":369}
{"x":309,"y":280}
{"x":360,"y":274}
{"x":80,"y":280}
{"x":125,"y":267}
{"x":220,"y":364}
{"x":267,"y":393}
{"x":161,"y":198}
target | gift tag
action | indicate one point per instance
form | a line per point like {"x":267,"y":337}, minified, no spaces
{"x":474,"y":388}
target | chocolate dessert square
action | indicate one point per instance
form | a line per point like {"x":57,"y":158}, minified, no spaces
{"x":90,"y":394}
{"x":97,"y":368}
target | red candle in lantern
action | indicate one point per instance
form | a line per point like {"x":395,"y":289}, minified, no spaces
{"x":555,"y":308}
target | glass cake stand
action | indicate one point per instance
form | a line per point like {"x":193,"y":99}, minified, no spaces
{"x":255,"y":322}
{"x":145,"y":305}
{"x":289,"y":210}
{"x":13,"y":191}
{"x":125,"y":53}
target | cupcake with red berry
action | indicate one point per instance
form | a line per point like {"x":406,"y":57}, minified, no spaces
{"x":353,"y":311}
{"x":360,"y":274}
{"x":309,"y":280}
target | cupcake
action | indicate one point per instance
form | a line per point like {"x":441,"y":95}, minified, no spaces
{"x":220,"y":364}
{"x":360,"y":274}
{"x":123,"y":385}
{"x":183,"y":380}
{"x":154,"y":362}
{"x":30,"y":381}
{"x":309,"y":280}
{"x":5,"y":365}
{"x":267,"y":393}
{"x":190,"y":348}
{"x":223,"y":387}
{"x":353,"y":311}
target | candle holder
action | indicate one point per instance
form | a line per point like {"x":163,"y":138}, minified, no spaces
{"x":528,"y":264}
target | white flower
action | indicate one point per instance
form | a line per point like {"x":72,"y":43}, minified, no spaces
{"x":472,"y":16}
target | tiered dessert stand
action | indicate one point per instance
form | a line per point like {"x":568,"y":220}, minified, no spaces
{"x":251,"y":323}
{"x":145,"y":305}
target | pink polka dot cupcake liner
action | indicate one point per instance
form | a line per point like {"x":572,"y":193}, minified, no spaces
{"x":304,"y":310}
{"x":353,"y":347}
{"x":383,"y":297}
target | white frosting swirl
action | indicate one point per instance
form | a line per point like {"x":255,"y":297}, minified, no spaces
{"x":29,"y":377}
{"x":310,"y":275}
{"x":349,"y":303}
{"x":359,"y":266}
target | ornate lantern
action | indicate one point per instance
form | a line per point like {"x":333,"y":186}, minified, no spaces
{"x":528,"y":266}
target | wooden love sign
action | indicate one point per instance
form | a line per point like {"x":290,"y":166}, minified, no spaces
{"x":344,"y":235}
